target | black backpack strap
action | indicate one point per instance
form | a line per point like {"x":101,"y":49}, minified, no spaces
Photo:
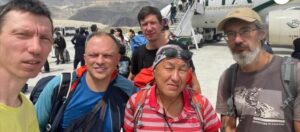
{"x":95,"y":120}
{"x":59,"y":98}
{"x":38,"y":88}
{"x":231,"y":76}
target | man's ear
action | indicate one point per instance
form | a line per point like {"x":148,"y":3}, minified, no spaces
{"x":262,"y":34}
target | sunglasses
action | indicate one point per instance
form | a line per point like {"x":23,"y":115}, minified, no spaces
{"x":172,"y":53}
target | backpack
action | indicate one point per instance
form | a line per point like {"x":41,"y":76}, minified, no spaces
{"x":137,"y":41}
{"x":59,"y":97}
{"x":196,"y":102}
{"x":144,"y":77}
{"x":289,"y":81}
{"x":66,"y":55}
{"x":65,"y":83}
{"x":38,"y":88}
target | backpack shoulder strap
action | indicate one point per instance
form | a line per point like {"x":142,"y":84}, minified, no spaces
{"x":198,"y":103}
{"x":59,"y":98}
{"x":231,"y":76}
{"x":139,"y":104}
{"x":289,"y":80}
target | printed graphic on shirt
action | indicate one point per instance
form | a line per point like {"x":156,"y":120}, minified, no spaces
{"x":263,"y":105}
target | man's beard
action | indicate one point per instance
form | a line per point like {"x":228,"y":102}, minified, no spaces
{"x":246,"y":57}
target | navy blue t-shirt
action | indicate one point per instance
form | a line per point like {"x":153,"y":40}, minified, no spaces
{"x":82,"y":102}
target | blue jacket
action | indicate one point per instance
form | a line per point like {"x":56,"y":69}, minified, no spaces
{"x":137,"y":41}
{"x":121,"y":91}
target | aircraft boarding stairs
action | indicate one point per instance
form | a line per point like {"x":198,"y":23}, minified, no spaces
{"x":183,"y":26}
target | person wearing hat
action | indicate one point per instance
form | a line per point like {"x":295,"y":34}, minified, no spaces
{"x":258,"y":89}
{"x":167,"y":104}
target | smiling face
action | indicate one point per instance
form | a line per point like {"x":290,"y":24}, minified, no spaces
{"x":170,"y":76}
{"x":101,"y":57}
{"x":25,"y":42}
{"x":246,"y":44}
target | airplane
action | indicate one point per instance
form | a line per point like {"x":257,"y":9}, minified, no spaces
{"x":282,"y":18}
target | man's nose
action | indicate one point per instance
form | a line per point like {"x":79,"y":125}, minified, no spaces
{"x":175,"y":75}
{"x":100,"y":59}
{"x":35,"y":46}
{"x":238,"y":38}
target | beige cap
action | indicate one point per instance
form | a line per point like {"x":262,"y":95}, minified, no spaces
{"x":245,"y":14}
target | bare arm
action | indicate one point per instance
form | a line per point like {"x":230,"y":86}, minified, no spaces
{"x":131,"y":77}
{"x":228,"y":123}
{"x":297,"y":126}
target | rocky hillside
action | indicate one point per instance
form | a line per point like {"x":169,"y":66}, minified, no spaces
{"x":109,"y":12}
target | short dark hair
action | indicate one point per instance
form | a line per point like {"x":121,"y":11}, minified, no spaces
{"x":130,"y":30}
{"x":149,"y":10}
{"x":112,"y":31}
{"x":33,"y":6}
{"x":100,"y":34}
{"x":57,"y":33}
{"x":94,"y":28}
{"x":122,"y":49}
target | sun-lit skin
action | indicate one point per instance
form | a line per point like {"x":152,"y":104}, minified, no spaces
{"x":152,"y":30}
{"x":101,"y":58}
{"x":170,"y":76}
{"x":25,"y":42}
{"x":246,"y":44}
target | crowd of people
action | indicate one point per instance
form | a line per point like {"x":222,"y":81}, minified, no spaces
{"x":155,"y":89}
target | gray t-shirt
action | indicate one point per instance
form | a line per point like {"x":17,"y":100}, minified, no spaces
{"x":258,"y":97}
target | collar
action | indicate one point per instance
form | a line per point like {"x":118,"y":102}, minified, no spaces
{"x":154,"y":103}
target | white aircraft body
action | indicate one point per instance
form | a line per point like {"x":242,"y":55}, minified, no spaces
{"x":282,"y":20}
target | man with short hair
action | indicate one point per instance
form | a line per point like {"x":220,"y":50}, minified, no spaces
{"x":258,"y":95}
{"x":94,"y":28}
{"x":79,"y":41}
{"x":60,"y":46}
{"x":150,"y":20}
{"x":169,"y":105}
{"x":97,"y":89}
{"x":25,"y":42}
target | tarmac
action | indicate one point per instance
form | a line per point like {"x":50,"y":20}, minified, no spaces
{"x":210,"y":62}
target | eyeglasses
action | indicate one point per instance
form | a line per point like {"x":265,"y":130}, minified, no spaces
{"x":172,"y":53}
{"x":244,"y":33}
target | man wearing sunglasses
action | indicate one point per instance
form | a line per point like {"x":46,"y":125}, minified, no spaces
{"x":257,"y":95}
{"x":168,"y":105}
{"x":151,"y":24}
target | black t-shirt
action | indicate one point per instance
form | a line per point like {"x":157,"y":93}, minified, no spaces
{"x":144,"y":58}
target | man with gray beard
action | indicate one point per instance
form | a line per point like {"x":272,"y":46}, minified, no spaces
{"x":247,"y":92}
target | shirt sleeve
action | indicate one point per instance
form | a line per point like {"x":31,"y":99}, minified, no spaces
{"x":211,"y":121}
{"x":44,"y":103}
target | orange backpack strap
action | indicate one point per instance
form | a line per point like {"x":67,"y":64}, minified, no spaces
{"x":198,"y":104}
{"x":139,"y":104}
